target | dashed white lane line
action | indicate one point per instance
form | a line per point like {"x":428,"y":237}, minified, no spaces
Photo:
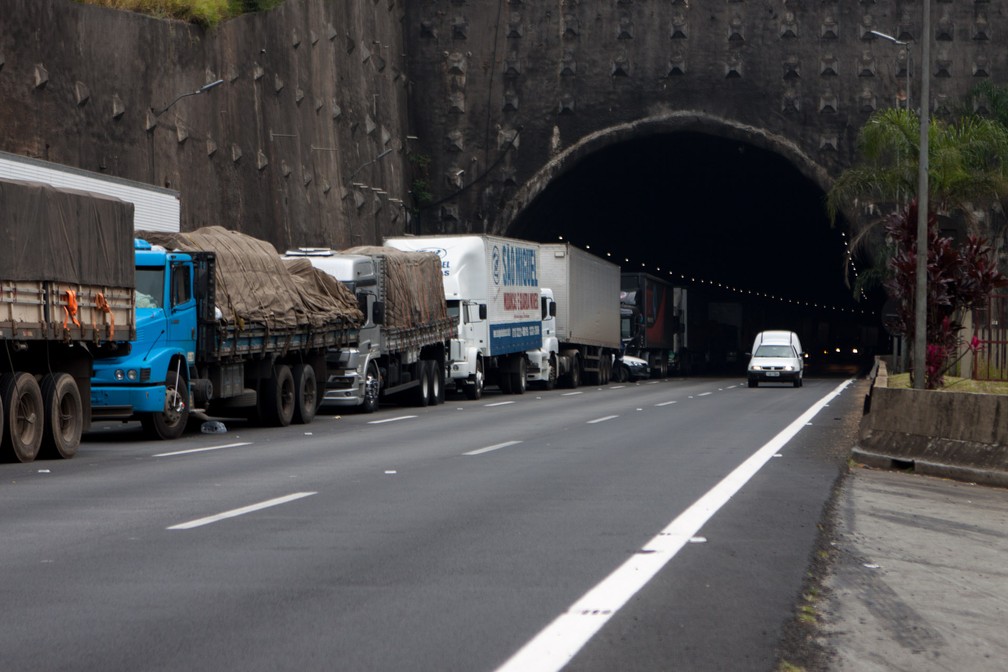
{"x":242,"y":511}
{"x":382,"y":422}
{"x":608,"y":417}
{"x":570,"y":394}
{"x":665,"y":403}
{"x":704,"y":394}
{"x":204,"y":449}
{"x":496,"y":446}
{"x":499,"y":403}
{"x":559,"y":642}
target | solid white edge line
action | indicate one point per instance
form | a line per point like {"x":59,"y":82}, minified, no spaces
{"x":243,"y":510}
{"x":497,"y":446}
{"x":382,"y":422}
{"x":559,"y":642}
{"x":203,"y":450}
{"x":608,"y":417}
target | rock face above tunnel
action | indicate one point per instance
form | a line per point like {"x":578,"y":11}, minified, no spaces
{"x":514,"y":95}
{"x":308,"y":138}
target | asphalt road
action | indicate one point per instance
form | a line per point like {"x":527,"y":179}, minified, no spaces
{"x":664,"y":525}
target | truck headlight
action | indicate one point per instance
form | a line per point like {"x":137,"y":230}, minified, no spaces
{"x":131,"y":375}
{"x":120,"y":375}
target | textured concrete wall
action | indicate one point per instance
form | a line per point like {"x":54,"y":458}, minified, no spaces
{"x":284,"y":149}
{"x":796,"y":77}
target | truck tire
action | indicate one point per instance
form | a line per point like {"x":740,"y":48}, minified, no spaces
{"x":421,"y":394}
{"x":170,"y":423}
{"x":551,"y":375}
{"x":442,"y":376}
{"x":64,"y":416}
{"x":474,"y":388}
{"x":435,"y":378}
{"x":573,"y":377}
{"x":23,"y":415}
{"x":519,"y":382}
{"x":278,"y":401}
{"x":372,"y":389}
{"x":306,"y":396}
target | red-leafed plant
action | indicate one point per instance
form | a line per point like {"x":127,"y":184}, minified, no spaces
{"x":959,"y":278}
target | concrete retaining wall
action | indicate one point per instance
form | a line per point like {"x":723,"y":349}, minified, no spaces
{"x":951,"y":434}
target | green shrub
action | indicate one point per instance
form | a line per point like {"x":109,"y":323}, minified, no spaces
{"x":203,"y":12}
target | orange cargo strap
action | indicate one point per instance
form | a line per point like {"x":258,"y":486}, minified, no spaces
{"x":71,"y":308}
{"x":103,"y":306}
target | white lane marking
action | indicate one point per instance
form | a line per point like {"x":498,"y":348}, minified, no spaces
{"x":608,"y":417}
{"x":570,"y":394}
{"x":242,"y":511}
{"x":665,"y":403}
{"x":704,"y":394}
{"x":499,"y":403}
{"x":205,"y":449}
{"x":560,"y":641}
{"x":496,"y":446}
{"x":381,"y":422}
{"x":652,"y":382}
{"x":617,"y":387}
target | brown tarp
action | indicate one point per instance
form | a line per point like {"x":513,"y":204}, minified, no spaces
{"x":63,"y":235}
{"x":255,"y":285}
{"x":414,"y":286}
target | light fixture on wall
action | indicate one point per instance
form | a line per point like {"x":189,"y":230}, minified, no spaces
{"x":202,"y":89}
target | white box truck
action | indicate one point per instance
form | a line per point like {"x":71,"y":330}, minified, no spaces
{"x":491,"y":286}
{"x":581,"y":318}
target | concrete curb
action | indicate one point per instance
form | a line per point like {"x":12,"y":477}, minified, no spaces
{"x":949,"y":434}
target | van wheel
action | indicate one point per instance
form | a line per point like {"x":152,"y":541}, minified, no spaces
{"x":797,"y":382}
{"x":753,"y":382}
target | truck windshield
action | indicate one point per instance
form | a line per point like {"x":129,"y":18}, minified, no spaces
{"x":150,"y":287}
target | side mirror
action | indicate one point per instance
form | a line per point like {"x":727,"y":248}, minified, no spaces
{"x":378,"y":312}
{"x":552,"y":310}
{"x":482,"y":311}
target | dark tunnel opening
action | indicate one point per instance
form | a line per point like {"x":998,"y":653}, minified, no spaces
{"x":738,"y":226}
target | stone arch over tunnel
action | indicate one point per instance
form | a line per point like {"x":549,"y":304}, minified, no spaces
{"x":732,"y":212}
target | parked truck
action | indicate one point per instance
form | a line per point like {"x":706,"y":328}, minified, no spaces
{"x":402,"y":345}
{"x":581,"y":318}
{"x":66,"y":277}
{"x":653,"y":317}
{"x":491,"y":285}
{"x":222,"y":327}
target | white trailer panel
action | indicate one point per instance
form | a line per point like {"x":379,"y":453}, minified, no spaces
{"x":586,"y":289}
{"x":154,"y":208}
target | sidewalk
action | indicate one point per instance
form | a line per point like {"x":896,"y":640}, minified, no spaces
{"x":920,"y":576}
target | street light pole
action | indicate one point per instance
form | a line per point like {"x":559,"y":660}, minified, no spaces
{"x":920,"y":298}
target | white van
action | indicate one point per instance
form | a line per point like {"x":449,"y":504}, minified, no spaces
{"x":776,"y":357}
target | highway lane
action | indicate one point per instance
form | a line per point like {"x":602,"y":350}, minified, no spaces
{"x":443,"y":538}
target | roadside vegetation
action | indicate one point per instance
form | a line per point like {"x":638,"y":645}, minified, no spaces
{"x":202,"y":12}
{"x":954,"y":384}
{"x":967,"y":172}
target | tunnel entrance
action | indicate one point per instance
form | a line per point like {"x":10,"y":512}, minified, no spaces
{"x":738,"y":226}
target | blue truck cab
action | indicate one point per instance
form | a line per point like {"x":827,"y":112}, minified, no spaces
{"x":151,"y":383}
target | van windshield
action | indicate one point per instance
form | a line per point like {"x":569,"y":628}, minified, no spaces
{"x":774,"y":351}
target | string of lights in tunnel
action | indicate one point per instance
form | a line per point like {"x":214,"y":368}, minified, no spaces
{"x":737,"y":290}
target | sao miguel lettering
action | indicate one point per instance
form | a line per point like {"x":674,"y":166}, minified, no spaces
{"x":521,"y":300}
{"x":519,"y":266}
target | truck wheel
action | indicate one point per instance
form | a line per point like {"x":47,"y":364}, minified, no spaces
{"x":436,"y":381}
{"x":440,"y":372}
{"x":551,"y":375}
{"x":278,"y":402}
{"x":306,"y":400}
{"x":573,"y":378}
{"x":24,"y":417}
{"x":519,"y":382}
{"x":170,"y":423}
{"x":474,"y":388}
{"x":421,"y":396}
{"x":372,"y":389}
{"x":504,"y":381}
{"x":64,"y":415}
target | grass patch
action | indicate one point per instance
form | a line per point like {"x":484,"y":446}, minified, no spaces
{"x":203,"y":12}
{"x":954,"y":384}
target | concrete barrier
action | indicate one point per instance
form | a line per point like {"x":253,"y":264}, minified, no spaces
{"x":951,"y":434}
